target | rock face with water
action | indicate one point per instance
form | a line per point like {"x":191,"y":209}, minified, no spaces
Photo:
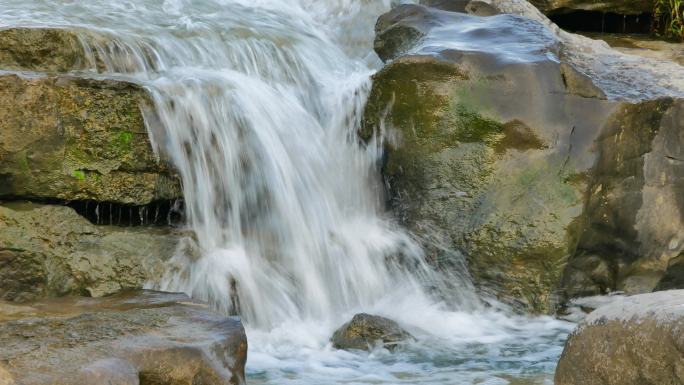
{"x":632,"y":341}
{"x":365,"y":331}
{"x":142,"y":338}
{"x":48,"y":251}
{"x":500,"y":150}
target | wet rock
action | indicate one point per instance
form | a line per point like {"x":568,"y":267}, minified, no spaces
{"x":620,"y":76}
{"x":50,"y":251}
{"x":622,"y":7}
{"x":365,"y":331}
{"x":633,"y":341}
{"x":498,"y":149}
{"x":133,"y":338}
{"x":43,"y":49}
{"x":78,"y":139}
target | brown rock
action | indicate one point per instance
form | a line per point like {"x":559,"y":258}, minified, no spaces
{"x":633,"y":341}
{"x":144,"y":338}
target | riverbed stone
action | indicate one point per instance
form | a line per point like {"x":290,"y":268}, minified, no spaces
{"x":48,"y":251}
{"x":632,"y":341}
{"x":66,"y":138}
{"x":142,"y":338}
{"x":365,"y":331}
{"x":498,"y":150}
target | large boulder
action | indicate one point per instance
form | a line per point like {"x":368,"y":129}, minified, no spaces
{"x":143,"y":338}
{"x":365,"y":331}
{"x":78,"y":139}
{"x":633,"y":341}
{"x":50,"y":251}
{"x":492,"y":146}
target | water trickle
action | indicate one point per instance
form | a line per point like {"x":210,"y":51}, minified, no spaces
{"x":259,"y":103}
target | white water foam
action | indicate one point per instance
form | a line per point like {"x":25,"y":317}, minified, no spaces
{"x":259,"y":102}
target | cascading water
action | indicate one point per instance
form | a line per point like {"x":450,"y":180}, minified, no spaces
{"x":257,"y":105}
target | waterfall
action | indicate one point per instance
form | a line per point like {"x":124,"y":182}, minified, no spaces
{"x":257,"y":105}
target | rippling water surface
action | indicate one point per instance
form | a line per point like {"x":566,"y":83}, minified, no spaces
{"x":259,"y":102}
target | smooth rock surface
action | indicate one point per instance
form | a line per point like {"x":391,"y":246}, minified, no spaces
{"x":365,"y":331}
{"x":78,"y":139}
{"x":50,"y":251}
{"x":633,"y":341}
{"x":142,"y":338}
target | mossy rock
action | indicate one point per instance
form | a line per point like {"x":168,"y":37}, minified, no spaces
{"x":78,"y":139}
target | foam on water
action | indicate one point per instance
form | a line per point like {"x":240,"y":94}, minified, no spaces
{"x":259,"y":102}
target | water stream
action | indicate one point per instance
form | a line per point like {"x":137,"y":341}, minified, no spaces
{"x":259,"y":102}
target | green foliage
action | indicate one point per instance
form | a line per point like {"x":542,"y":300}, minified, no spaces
{"x":80,"y":175}
{"x":125,"y":138}
{"x":668,"y":16}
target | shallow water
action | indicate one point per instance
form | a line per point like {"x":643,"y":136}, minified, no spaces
{"x":259,"y":102}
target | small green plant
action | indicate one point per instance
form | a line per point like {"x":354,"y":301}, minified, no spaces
{"x":668,"y":19}
{"x":125,"y":138}
{"x":78,"y":174}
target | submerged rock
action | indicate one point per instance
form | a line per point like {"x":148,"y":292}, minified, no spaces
{"x":365,"y":331}
{"x":633,"y":341}
{"x":141,"y":338}
{"x":492,"y":129}
{"x":78,"y":139}
{"x":50,"y":251}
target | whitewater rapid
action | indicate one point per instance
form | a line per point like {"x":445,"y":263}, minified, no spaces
{"x":259,"y":103}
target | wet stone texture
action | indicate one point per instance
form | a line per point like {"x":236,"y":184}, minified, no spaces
{"x":365,"y":331}
{"x":498,"y":149}
{"x":145,"y":338}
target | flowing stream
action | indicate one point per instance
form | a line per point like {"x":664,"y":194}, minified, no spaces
{"x":257,"y":105}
